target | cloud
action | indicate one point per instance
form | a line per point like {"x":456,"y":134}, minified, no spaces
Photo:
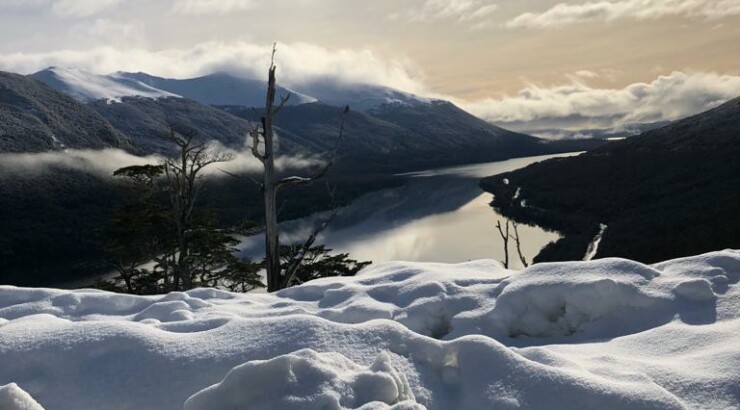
{"x":586,"y":74}
{"x":211,"y":6}
{"x":564,"y":14}
{"x":460,"y":10}
{"x":298,"y":63}
{"x":242,"y":161}
{"x":576,"y":105}
{"x":104,"y":31}
{"x":99,"y":162}
{"x":65,"y":8}
{"x":21,"y":4}
{"x":82,"y":8}
{"x":104,"y":162}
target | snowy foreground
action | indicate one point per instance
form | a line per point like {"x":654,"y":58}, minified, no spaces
{"x":607,"y":334}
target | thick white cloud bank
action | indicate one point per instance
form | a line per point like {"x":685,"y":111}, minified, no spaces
{"x":563,"y":14}
{"x":609,"y":334}
{"x":578,"y":105}
{"x":298,"y":63}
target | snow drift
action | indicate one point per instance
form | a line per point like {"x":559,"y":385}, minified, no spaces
{"x":610,"y":333}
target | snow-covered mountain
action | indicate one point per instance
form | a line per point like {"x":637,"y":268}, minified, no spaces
{"x":216,"y":89}
{"x":227,"y":89}
{"x":221,"y":89}
{"x":85,"y":86}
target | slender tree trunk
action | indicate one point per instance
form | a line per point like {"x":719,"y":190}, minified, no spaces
{"x":272,"y":253}
{"x":272,"y":250}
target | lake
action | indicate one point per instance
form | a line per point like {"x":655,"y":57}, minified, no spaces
{"x":436,"y":216}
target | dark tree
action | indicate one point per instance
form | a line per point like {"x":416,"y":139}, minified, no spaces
{"x":160,"y":241}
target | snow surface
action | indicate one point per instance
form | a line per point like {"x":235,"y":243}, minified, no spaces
{"x":605,"y":334}
{"x":86,"y":87}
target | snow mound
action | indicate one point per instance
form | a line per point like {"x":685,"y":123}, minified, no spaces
{"x":309,"y":380}
{"x":13,"y":397}
{"x":607,"y":333}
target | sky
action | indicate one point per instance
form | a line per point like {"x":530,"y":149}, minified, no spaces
{"x":525,"y":64}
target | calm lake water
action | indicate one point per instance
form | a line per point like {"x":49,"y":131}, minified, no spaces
{"x":437,"y":216}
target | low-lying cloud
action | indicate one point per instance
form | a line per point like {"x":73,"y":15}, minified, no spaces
{"x":104,"y":162}
{"x":244,"y":162}
{"x":576,"y":105}
{"x":99,"y":162}
{"x":564,"y":14}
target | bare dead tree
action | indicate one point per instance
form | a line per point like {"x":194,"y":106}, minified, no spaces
{"x":264,"y":138}
{"x":182,"y":175}
{"x":518,"y":244}
{"x":505,"y":237}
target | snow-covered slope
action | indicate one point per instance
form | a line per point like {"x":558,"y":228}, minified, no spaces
{"x":605,"y":334}
{"x":86,"y":87}
{"x":361,"y":97}
{"x":218,"y":89}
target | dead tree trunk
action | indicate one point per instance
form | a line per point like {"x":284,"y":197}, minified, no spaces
{"x":272,"y":253}
{"x":270,"y":185}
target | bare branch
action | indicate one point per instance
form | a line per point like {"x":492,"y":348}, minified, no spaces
{"x":283,"y":101}
{"x":247,"y":177}
{"x":505,"y":237}
{"x":255,"y":133}
{"x":282,"y":206}
{"x":519,"y":245}
{"x":291,"y":270}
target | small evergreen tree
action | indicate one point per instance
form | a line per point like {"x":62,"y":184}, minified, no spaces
{"x":318,"y":262}
{"x":159,"y":241}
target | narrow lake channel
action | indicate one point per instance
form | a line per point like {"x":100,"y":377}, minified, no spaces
{"x":439,"y":215}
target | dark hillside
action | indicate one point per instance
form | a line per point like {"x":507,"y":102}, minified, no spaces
{"x":35,"y":118}
{"x":670,"y":192}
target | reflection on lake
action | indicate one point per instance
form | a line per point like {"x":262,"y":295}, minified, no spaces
{"x":436,"y":216}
